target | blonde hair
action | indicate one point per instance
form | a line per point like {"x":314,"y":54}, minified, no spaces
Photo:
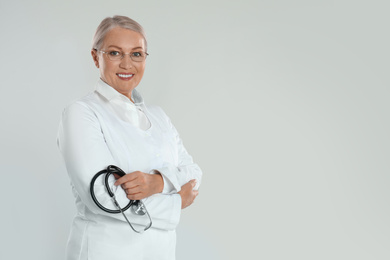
{"x":110,"y":23}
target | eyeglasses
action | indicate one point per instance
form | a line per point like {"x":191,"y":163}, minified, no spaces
{"x":137,"y":56}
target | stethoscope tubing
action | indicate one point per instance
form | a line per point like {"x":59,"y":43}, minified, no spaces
{"x":111,"y":169}
{"x":141,"y":209}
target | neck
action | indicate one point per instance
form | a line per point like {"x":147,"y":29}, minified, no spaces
{"x":128,"y":94}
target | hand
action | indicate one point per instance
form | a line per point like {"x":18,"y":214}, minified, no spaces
{"x":139,"y":185}
{"x":187,"y":194}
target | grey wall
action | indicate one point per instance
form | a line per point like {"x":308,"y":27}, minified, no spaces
{"x":284,"y":105}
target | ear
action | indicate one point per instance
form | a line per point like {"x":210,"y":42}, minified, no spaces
{"x":95,"y":57}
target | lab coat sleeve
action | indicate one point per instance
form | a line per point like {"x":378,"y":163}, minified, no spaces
{"x":175,"y":176}
{"x":85,"y":152}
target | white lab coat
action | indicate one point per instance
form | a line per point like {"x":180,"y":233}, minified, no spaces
{"x":92,"y":135}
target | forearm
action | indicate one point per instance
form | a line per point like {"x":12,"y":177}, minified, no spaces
{"x":175,"y":177}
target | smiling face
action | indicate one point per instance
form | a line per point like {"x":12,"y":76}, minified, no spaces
{"x":123,"y":75}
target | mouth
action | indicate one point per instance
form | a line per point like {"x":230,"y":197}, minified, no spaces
{"x":125,"y":76}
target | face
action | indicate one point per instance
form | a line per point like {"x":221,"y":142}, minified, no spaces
{"x":123,"y":75}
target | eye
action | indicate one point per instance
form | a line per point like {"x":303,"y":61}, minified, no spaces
{"x":114,"y":53}
{"x":137,"y":54}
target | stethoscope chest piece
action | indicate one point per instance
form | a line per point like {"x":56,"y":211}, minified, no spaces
{"x":138,"y":208}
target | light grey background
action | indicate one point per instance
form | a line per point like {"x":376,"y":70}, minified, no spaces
{"x":284,"y":105}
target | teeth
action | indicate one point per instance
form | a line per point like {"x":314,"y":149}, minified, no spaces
{"x":125,"y":76}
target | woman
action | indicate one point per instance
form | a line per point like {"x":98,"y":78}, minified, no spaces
{"x":113,"y":126}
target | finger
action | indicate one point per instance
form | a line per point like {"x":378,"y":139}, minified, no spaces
{"x":193,"y":183}
{"x":121,"y":180}
{"x":196,"y":193}
{"x":116,"y":176}
{"x":137,"y":196}
{"x":128,"y":177}
{"x":133,"y":191}
{"x":130,"y":184}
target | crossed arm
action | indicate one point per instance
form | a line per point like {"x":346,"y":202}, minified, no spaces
{"x":183,"y":179}
{"x":85,"y":152}
{"x":139,"y":185}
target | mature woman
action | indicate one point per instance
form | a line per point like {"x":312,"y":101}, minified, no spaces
{"x":113,"y":126}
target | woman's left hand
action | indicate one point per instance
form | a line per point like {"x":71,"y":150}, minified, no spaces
{"x":139,"y":185}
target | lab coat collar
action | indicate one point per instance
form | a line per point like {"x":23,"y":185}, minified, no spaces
{"x":110,"y":93}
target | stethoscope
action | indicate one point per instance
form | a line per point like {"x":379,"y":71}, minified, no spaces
{"x":137,"y":206}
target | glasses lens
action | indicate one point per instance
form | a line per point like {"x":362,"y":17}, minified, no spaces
{"x":138,"y":56}
{"x":114,"y":55}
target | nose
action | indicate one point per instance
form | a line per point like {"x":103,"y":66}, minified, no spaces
{"x":126,"y":62}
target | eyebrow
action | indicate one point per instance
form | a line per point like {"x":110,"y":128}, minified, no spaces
{"x":121,"y":48}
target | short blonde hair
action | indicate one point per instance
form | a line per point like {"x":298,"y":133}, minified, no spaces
{"x":110,"y":23}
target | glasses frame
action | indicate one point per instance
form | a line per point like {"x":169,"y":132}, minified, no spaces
{"x":123,"y":55}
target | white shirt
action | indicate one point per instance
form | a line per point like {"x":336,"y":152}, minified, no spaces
{"x":103,"y":129}
{"x":123,"y":107}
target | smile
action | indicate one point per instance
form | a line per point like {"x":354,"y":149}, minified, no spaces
{"x":125,"y":76}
